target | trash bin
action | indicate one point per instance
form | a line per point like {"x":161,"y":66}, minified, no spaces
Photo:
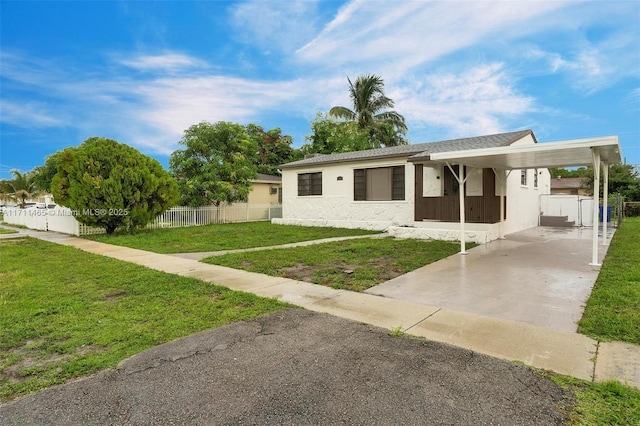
{"x":608,"y":213}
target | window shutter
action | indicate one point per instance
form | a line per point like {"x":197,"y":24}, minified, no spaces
{"x":359,"y":185}
{"x":397,"y":188}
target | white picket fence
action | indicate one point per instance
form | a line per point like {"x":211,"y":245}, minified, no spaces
{"x":62,"y":219}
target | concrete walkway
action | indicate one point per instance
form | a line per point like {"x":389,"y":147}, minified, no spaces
{"x":201,"y":255}
{"x":560,"y":351}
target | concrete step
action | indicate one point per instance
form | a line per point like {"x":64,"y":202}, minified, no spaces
{"x":561,"y":221}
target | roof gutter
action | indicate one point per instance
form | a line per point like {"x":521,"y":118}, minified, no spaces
{"x":347,"y":160}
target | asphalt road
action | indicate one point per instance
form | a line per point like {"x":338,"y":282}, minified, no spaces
{"x":296,"y":367}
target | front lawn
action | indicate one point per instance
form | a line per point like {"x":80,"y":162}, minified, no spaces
{"x":613,"y":310}
{"x":65,"y":313}
{"x":7,"y":231}
{"x":604,"y":403}
{"x":223,"y":237}
{"x":353,"y":264}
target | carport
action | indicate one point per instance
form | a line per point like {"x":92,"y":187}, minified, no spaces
{"x":598,"y":152}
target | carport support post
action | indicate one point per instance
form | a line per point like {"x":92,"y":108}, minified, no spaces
{"x":462,"y":218}
{"x":595,"y":152}
{"x":605,"y":201}
{"x":460,"y":178}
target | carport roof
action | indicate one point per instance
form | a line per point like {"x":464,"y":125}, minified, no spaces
{"x":541,"y":155}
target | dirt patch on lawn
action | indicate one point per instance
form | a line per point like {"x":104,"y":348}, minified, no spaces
{"x":28,"y":358}
{"x":308,"y":273}
{"x":340,"y":272}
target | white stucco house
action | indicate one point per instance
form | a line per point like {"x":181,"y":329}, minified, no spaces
{"x":409,"y":194}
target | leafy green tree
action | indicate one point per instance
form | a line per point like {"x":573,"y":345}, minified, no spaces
{"x":43,"y":175}
{"x":385,"y":128}
{"x":561,"y":172}
{"x":624,"y":179}
{"x":331,"y":136}
{"x":274,"y":149}
{"x":112,"y":185}
{"x":217,"y":164}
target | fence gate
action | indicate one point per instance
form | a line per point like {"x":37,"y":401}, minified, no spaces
{"x":557,"y":209}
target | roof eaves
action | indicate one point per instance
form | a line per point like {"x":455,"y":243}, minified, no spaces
{"x":417,"y":152}
{"x":344,"y":160}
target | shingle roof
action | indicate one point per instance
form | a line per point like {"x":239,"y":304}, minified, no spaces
{"x":419,"y":151}
{"x":565,"y":183}
{"x":271,"y":178}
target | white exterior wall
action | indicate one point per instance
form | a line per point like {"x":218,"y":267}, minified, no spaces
{"x":523,"y":202}
{"x":336,"y":207}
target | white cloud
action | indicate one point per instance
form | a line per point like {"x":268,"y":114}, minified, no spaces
{"x":402,"y":41}
{"x":164,"y":62}
{"x":412,"y":33}
{"x":590,"y":67}
{"x":279,"y":25}
{"x":28,"y":114}
{"x":479,"y":100}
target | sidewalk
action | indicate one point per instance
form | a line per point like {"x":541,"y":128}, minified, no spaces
{"x":559,"y":351}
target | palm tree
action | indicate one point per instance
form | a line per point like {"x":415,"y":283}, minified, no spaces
{"x":369,"y":102}
{"x":22,"y":187}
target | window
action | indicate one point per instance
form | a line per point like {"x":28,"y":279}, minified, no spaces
{"x":523,"y":177}
{"x":378,"y":184}
{"x":310,"y":184}
{"x":535,"y":178}
{"x":451,"y":185}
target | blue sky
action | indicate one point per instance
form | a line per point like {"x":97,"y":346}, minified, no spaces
{"x":142,"y":72}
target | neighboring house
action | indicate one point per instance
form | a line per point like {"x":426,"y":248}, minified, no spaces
{"x":401,"y":190}
{"x":266,"y":189}
{"x":568,"y":186}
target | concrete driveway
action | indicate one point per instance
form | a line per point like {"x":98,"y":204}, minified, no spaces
{"x":540,"y":276}
{"x":296,"y":367}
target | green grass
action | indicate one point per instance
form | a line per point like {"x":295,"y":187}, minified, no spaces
{"x":352,"y":264}
{"x":222,"y":237}
{"x":613,"y":310}
{"x":65,"y":313}
{"x":7,"y":231}
{"x":606,"y":403}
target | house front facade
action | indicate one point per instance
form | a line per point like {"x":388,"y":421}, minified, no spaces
{"x":569,"y":186}
{"x":266,"y":189}
{"x":401,"y":190}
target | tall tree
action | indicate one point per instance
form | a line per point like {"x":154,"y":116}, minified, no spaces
{"x":624,"y":179}
{"x":274,"y":148}
{"x":43,"y":175}
{"x":331,"y":136}
{"x":21,"y":188}
{"x":112,"y":185}
{"x":217,"y":164}
{"x":386,"y":128}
